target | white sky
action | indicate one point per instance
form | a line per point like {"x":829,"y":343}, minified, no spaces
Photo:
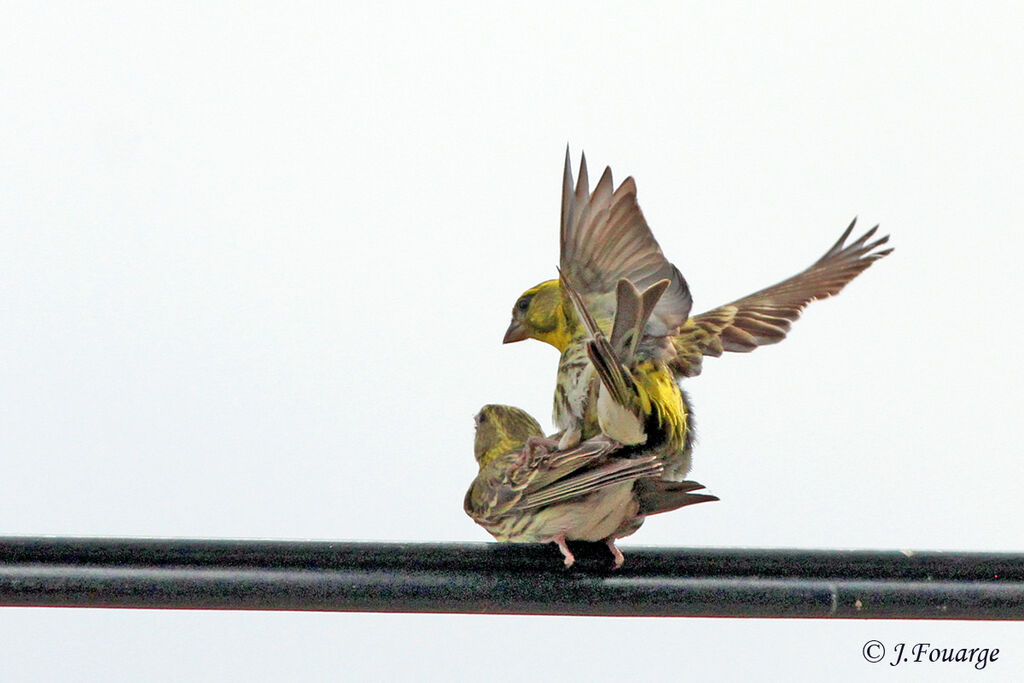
{"x":255,"y":266}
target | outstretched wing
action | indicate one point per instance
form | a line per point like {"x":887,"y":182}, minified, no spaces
{"x":765,"y":316}
{"x":604,"y":238}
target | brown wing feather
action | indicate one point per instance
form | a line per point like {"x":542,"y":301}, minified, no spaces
{"x":549,"y":468}
{"x":512,"y":479}
{"x":515,"y":481}
{"x":613,"y":471}
{"x":496,"y":488}
{"x":765,"y":316}
{"x":605,"y":238}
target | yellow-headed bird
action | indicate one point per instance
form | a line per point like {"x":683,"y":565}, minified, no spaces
{"x":604,"y":239}
{"x":596,"y":491}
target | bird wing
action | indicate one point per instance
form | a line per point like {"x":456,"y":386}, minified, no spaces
{"x":610,"y":472}
{"x":765,"y":316}
{"x":495,"y":489}
{"x":605,"y":238}
{"x":511,"y":479}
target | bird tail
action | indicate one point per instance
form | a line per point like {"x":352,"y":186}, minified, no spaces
{"x":632,"y":311}
{"x":656,"y":495}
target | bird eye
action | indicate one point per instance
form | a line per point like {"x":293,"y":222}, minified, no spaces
{"x":523,"y":304}
{"x":480,"y":418}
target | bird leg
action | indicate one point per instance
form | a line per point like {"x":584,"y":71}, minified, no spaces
{"x":559,"y":540}
{"x":616,"y":553}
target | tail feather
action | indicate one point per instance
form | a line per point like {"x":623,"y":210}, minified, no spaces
{"x":657,"y":496}
{"x":632,"y":311}
{"x":628,"y":314}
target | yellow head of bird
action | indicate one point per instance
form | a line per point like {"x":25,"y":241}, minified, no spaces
{"x":540,"y":313}
{"x":501,"y":428}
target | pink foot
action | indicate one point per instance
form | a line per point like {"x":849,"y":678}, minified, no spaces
{"x":616,"y":553}
{"x":559,"y":540}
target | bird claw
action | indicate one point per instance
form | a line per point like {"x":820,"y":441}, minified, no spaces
{"x":569,"y":558}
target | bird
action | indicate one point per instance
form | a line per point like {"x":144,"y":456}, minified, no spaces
{"x":599,"y":490}
{"x":604,"y":238}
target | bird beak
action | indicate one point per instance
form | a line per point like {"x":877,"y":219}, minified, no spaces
{"x":515,"y":332}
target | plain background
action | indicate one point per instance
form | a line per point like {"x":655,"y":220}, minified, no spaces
{"x":256,"y":263}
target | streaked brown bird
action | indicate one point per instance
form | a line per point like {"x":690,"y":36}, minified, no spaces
{"x":595,"y":491}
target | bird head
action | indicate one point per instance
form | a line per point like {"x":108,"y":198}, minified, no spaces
{"x":501,"y":428}
{"x":540,"y":314}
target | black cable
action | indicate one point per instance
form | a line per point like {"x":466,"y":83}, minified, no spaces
{"x":507,"y":579}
